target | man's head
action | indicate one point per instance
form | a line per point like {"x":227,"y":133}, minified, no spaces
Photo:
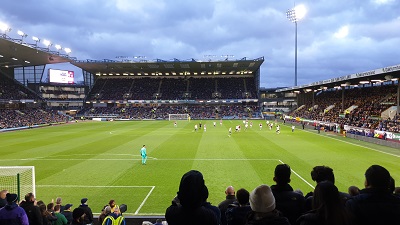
{"x":192,"y":190}
{"x":3,"y":194}
{"x":116,"y":210}
{"x":57,"y":208}
{"x":84,"y":201}
{"x":11,"y":198}
{"x":30,"y":197}
{"x":282,"y":174}
{"x":242,"y":196}
{"x":322,"y":173}
{"x":67,"y":207}
{"x":58,"y":200}
{"x":377,"y":177}
{"x":230,"y":191}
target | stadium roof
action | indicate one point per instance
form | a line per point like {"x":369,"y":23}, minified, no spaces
{"x":385,"y":74}
{"x":15,"y":53}
{"x":175,"y":67}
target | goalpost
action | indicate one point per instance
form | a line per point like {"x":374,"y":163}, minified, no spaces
{"x":178,"y":116}
{"x":18,"y":179}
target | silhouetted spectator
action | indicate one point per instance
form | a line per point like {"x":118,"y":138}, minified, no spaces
{"x":237,"y":212}
{"x":319,"y":174}
{"x":88,"y":211}
{"x":187,"y":205}
{"x":290,"y":203}
{"x":230,"y":198}
{"x":32,"y":210}
{"x":375,"y":204}
{"x":327,"y":207}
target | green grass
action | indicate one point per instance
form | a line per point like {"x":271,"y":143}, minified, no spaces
{"x":100,"y":160}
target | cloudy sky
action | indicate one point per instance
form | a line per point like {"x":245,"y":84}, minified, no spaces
{"x":335,"y":38}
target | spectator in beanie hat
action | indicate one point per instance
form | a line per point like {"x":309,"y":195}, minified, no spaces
{"x":262,"y":203}
{"x":12,"y":213}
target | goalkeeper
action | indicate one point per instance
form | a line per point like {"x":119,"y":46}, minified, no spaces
{"x":143,"y":154}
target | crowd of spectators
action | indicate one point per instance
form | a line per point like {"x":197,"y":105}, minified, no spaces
{"x":12,"y":90}
{"x":279,"y":204}
{"x":10,"y":118}
{"x":163,"y":111}
{"x":365,"y":107}
{"x":173,"y":88}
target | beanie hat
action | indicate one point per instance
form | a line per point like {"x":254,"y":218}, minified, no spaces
{"x":262,"y":199}
{"x":84,"y":200}
{"x":11,"y":197}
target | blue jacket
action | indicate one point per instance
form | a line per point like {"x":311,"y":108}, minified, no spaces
{"x":12,"y":214}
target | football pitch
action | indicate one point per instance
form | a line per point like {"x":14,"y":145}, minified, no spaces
{"x":101,"y":161}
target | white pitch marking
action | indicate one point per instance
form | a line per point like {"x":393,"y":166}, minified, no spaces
{"x":144,"y":201}
{"x":387,"y":153}
{"x":83,"y":186}
{"x":299,"y":176}
{"x":63,"y":159}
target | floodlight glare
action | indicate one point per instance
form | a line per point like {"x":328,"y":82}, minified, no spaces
{"x":58,"y":47}
{"x":4,"y":27}
{"x":47,"y":43}
{"x":36,"y":39}
{"x":300,"y":12}
{"x":67,"y":50}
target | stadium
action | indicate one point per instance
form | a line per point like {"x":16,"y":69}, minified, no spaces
{"x":81,"y":139}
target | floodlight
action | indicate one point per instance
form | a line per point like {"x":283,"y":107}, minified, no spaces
{"x":58,"y":47}
{"x":36,"y":39}
{"x":67,"y":50}
{"x":47,"y":43}
{"x":5,"y":28}
{"x":21,"y":33}
{"x":295,"y":15}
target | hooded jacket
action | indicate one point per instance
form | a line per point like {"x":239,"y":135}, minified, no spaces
{"x":12,"y":214}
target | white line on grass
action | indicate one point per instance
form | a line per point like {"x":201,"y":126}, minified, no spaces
{"x":145,"y":199}
{"x":299,"y":176}
{"x":85,"y":186}
{"x":108,"y":159}
{"x":398,"y":156}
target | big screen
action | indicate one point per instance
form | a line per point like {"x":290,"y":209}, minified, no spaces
{"x":61,"y":76}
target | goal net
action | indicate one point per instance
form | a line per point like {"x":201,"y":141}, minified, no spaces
{"x":178,"y":116}
{"x":18,"y":179}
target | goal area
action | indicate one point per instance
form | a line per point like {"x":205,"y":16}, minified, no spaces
{"x":178,"y":116}
{"x":18,"y":179}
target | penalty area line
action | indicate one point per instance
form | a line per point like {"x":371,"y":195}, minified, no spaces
{"x":144,"y":200}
